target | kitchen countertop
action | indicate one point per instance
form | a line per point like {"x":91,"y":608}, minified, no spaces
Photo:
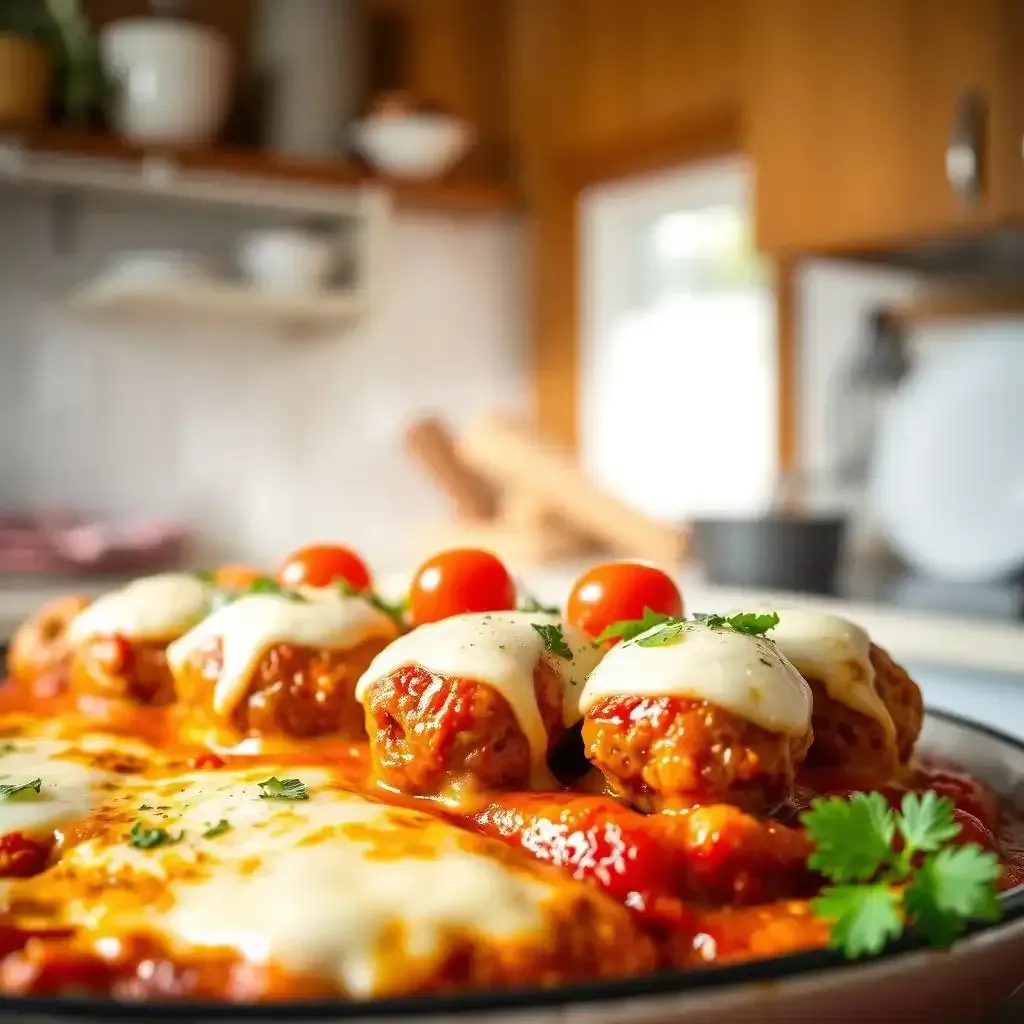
{"x":950,"y":641}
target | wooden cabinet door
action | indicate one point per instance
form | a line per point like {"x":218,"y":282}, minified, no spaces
{"x":852,"y":106}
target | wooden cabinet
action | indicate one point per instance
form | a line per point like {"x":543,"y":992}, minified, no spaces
{"x":852,"y":106}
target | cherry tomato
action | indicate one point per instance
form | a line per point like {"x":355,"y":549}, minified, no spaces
{"x":621,"y":590}
{"x":236,"y":577}
{"x":458,"y":581}
{"x":320,"y":565}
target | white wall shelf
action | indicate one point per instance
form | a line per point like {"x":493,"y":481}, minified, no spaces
{"x":221,"y":302}
{"x":358,"y":209}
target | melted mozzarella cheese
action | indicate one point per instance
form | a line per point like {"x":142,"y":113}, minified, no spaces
{"x":334,"y":885}
{"x":836,"y":653}
{"x":250,"y":626}
{"x":157,"y":608}
{"x":499,"y":649}
{"x":75,"y":779}
{"x":743,"y":674}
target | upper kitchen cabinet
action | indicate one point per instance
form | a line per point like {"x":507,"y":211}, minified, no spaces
{"x":876,"y":124}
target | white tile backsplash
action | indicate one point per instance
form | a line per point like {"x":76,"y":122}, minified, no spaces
{"x":258,"y":442}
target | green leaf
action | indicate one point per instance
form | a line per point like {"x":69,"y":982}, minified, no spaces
{"x":853,"y":838}
{"x":629,"y":629}
{"x":863,"y":918}
{"x":962,"y":880}
{"x":395,"y":610}
{"x":268,"y":585}
{"x":22,"y":791}
{"x":146,"y":838}
{"x":927,"y":821}
{"x":7,"y":748}
{"x":750,"y":623}
{"x":665,"y":635}
{"x":205,"y":575}
{"x":753,"y":623}
{"x":219,"y":829}
{"x":283,"y":789}
{"x":554,"y":640}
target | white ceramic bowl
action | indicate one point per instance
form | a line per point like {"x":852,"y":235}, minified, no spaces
{"x":416,"y":146}
{"x":173,"y":78}
{"x":287,"y":262}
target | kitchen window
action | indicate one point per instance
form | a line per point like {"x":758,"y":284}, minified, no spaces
{"x":679,"y":359}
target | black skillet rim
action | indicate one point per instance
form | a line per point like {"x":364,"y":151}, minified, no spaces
{"x":775,"y":969}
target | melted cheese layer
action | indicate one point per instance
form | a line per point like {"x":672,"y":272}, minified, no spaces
{"x":745,"y":675}
{"x":836,"y":653}
{"x":250,"y":626}
{"x":155,"y":608}
{"x":499,"y":649}
{"x":334,"y":885}
{"x":76,"y":778}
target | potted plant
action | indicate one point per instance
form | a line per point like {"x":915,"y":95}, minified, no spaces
{"x":28,"y":40}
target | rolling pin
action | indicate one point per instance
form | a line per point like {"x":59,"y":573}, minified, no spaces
{"x":500,"y":448}
{"x":430,"y":444}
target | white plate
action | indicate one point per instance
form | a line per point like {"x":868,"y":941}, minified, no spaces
{"x":906,"y":984}
{"x":948,"y":474}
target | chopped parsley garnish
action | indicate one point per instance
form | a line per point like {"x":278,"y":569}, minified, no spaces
{"x":10,"y":791}
{"x":554,"y":639}
{"x":629,"y":629}
{"x":751,"y":623}
{"x":145,"y":807}
{"x":268,"y":585}
{"x":671,"y":632}
{"x":219,"y":829}
{"x":283,"y":789}
{"x":145,"y":838}
{"x":7,"y":748}
{"x":205,"y":575}
{"x":878,"y":889}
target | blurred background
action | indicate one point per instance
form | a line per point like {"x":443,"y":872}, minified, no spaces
{"x":736,"y":285}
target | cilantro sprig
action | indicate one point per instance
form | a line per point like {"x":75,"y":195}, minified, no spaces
{"x":891,"y":869}
{"x":750,"y":623}
{"x":644,"y":633}
{"x":630,"y":629}
{"x":554,"y":640}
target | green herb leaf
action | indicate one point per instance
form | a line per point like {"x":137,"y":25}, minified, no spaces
{"x":853,"y":838}
{"x":395,"y":610}
{"x":751,"y":623}
{"x":668,"y":633}
{"x":938,"y":892}
{"x":926,"y":821}
{"x":283,"y":789}
{"x":554,"y":639}
{"x":205,"y":575}
{"x":219,"y":829}
{"x":7,"y":748}
{"x":863,"y":918}
{"x":146,"y":838}
{"x":629,"y":629}
{"x":21,"y":791}
{"x":268,"y":585}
